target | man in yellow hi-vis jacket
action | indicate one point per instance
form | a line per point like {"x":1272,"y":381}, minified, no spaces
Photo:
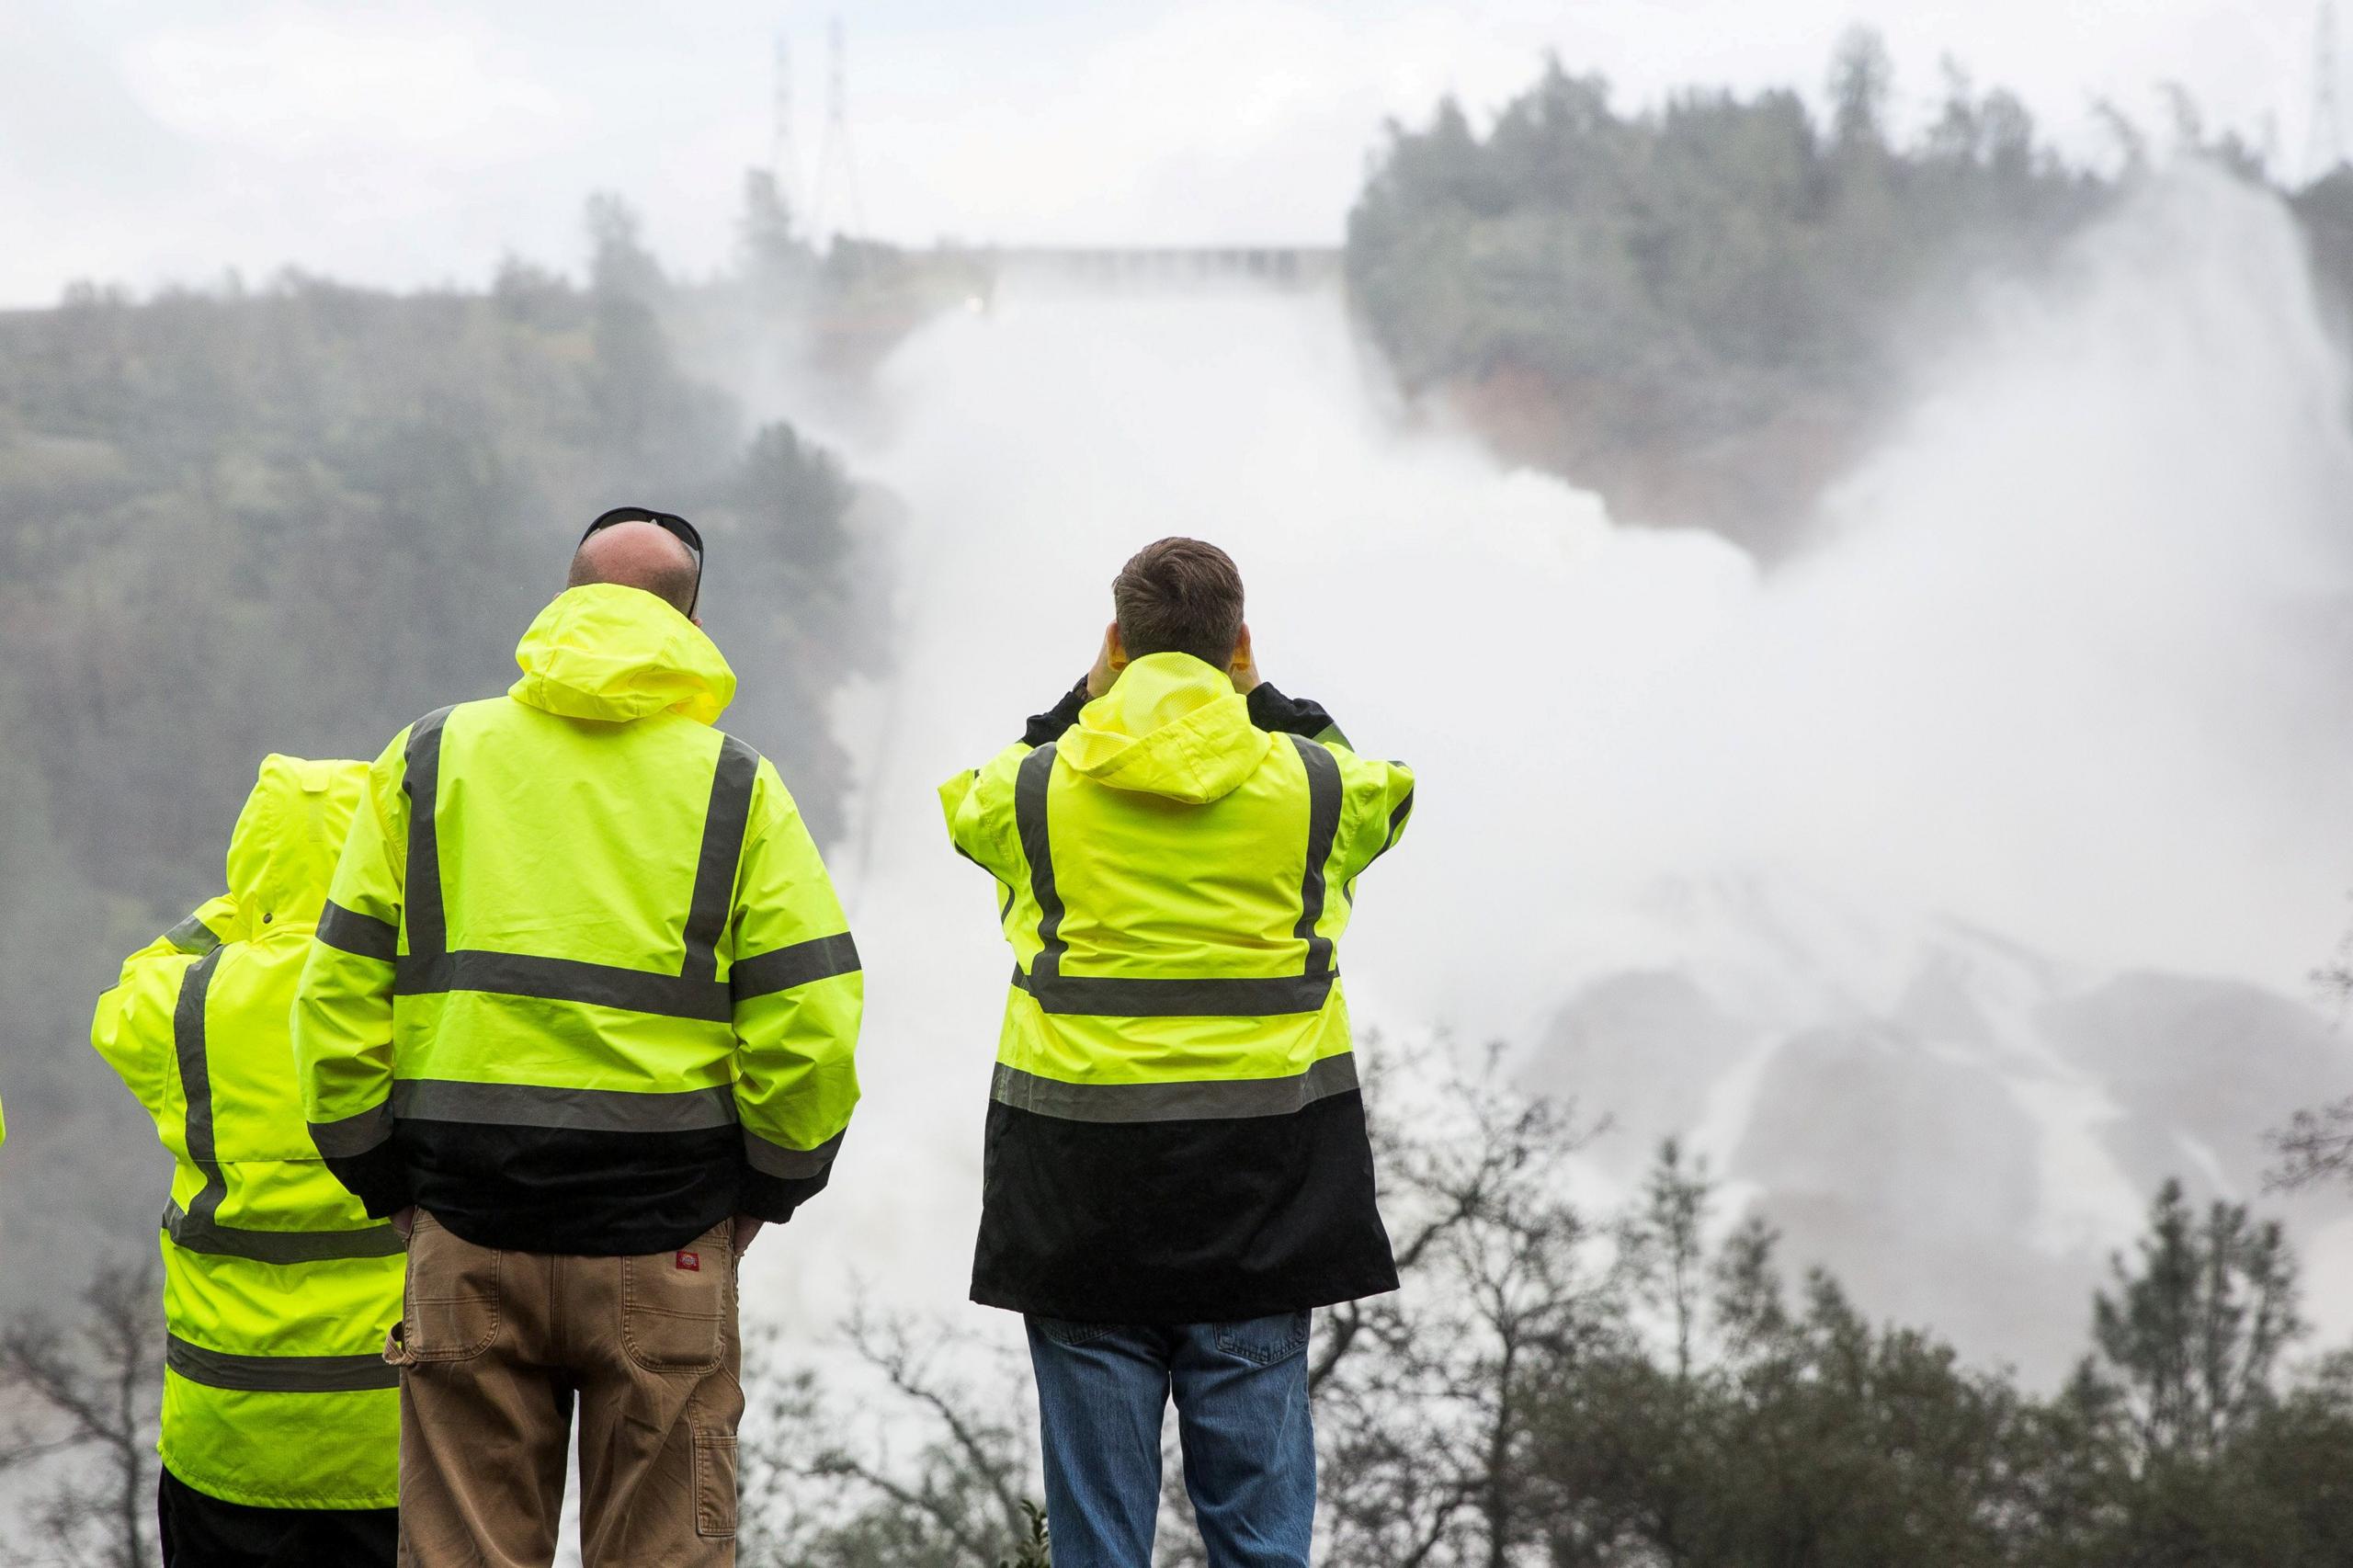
{"x":584,"y":1000}
{"x":1177,"y":1168}
{"x":281,"y":1421}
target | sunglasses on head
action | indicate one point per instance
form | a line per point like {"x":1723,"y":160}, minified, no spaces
{"x":669,"y":523}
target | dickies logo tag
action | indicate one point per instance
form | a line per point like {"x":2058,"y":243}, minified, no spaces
{"x":691,"y":1262}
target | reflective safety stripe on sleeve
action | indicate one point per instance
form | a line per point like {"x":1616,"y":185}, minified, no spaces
{"x":774,"y":1159}
{"x":193,"y":936}
{"x":362,"y":935}
{"x":354,"y":1135}
{"x":1194,"y":1100}
{"x":782,"y":969}
{"x":1172,"y":996}
{"x":279,"y":1374}
{"x":535,"y":1104}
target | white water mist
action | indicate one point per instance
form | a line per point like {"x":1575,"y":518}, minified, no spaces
{"x":2056,"y":671}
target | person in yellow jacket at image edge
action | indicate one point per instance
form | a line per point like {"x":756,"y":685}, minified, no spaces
{"x":281,"y":1420}
{"x":583,"y":1013}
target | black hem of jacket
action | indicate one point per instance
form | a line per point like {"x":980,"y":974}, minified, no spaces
{"x":1196,"y":1221}
{"x":193,"y":1526}
{"x":378,"y":1178}
{"x":574,"y":1192}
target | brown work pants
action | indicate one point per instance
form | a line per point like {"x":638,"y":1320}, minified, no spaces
{"x":493,"y":1348}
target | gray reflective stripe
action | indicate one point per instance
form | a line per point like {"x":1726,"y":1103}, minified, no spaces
{"x":722,"y":847}
{"x":1214,"y":997}
{"x":354,"y":1135}
{"x":191,"y":1235}
{"x":193,"y":936}
{"x":1176,"y":998}
{"x":790,"y":1164}
{"x":1196,"y":1101}
{"x":1029,"y":790}
{"x":198,"y":1228}
{"x":195,"y":1085}
{"x":563,"y":980}
{"x":782,"y":969}
{"x":1323,"y":827}
{"x":428,"y":929}
{"x":363,"y":936}
{"x":534,"y":1104}
{"x":279,"y":1374}
{"x":430,"y":968}
{"x":1333,"y":735}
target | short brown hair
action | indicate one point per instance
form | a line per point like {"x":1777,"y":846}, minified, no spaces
{"x":1179,"y":596}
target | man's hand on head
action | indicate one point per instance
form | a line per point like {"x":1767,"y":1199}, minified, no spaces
{"x":1109,"y":659}
{"x":1244,"y":669}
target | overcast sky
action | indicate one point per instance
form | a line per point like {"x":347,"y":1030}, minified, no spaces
{"x":144,"y":142}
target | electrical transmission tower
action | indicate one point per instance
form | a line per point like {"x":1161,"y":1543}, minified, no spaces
{"x":2327,"y":146}
{"x":782,"y":158}
{"x":834,"y":204}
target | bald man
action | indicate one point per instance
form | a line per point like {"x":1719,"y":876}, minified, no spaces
{"x":580,"y":1020}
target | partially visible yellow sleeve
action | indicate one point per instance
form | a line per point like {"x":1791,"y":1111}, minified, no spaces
{"x":342,"y":1018}
{"x":132,"y":1026}
{"x":799,"y":999}
{"x":978,"y":803}
{"x":1379,"y":803}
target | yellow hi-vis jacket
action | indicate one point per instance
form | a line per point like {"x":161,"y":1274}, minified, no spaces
{"x":582,"y":985}
{"x":1175,"y":1132}
{"x":278,"y":1286}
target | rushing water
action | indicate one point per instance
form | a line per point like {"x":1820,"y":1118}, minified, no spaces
{"x":2068,"y":665}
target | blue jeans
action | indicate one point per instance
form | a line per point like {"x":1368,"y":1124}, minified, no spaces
{"x":1241,"y":1392}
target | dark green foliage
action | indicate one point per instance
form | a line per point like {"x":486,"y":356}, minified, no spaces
{"x":1699,"y":310}
{"x":295,"y":519}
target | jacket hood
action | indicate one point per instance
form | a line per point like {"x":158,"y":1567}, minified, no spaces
{"x":614,"y":653}
{"x":1171,"y":726}
{"x":282,"y":855}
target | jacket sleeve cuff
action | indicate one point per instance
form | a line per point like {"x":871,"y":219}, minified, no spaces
{"x":1277,"y":714}
{"x":1046,"y":728}
{"x":774,"y":1199}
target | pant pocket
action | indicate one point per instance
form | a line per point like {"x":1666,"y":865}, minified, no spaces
{"x":1265,"y":1340}
{"x":714,"y":1486}
{"x":675,"y":1305}
{"x":451,"y":1301}
{"x":1072,"y":1335}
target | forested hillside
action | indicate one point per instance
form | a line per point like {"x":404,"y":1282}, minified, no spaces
{"x":294,"y":519}
{"x":1699,"y":310}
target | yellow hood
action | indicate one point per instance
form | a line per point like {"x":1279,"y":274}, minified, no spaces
{"x":615,"y":654}
{"x":282,"y":855}
{"x":1171,"y":726}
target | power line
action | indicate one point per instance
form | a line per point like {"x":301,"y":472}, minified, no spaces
{"x":782,"y":157}
{"x":2327,"y":147}
{"x":837,"y":187}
